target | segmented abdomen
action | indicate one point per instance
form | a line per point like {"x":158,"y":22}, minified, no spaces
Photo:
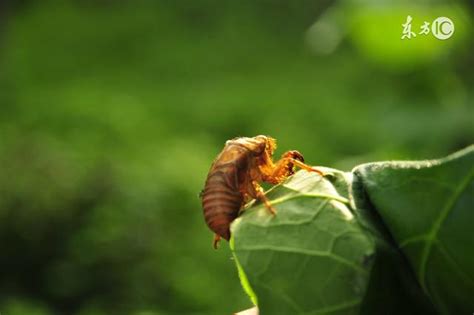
{"x":221,"y":199}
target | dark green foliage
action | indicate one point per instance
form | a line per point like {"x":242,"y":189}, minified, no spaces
{"x":428,"y":209}
{"x":390,"y":237}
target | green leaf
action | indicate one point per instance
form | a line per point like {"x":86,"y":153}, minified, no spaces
{"x":310,"y":257}
{"x":379,"y":240}
{"x":428,"y":208}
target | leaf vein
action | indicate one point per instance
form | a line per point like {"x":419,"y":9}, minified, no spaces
{"x":432,"y":235}
{"x":302,"y":251}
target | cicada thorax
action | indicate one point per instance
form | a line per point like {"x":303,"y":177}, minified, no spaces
{"x":222,"y":198}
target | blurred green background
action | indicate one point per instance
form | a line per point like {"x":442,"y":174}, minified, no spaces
{"x":111,"y":113}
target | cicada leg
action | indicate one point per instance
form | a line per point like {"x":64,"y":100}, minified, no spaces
{"x":216,"y":241}
{"x":285,"y":167}
{"x":258,"y":193}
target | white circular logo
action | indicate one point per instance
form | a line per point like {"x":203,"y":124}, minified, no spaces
{"x":442,"y":28}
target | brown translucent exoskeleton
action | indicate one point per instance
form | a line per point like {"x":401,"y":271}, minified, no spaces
{"x":235,"y":177}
